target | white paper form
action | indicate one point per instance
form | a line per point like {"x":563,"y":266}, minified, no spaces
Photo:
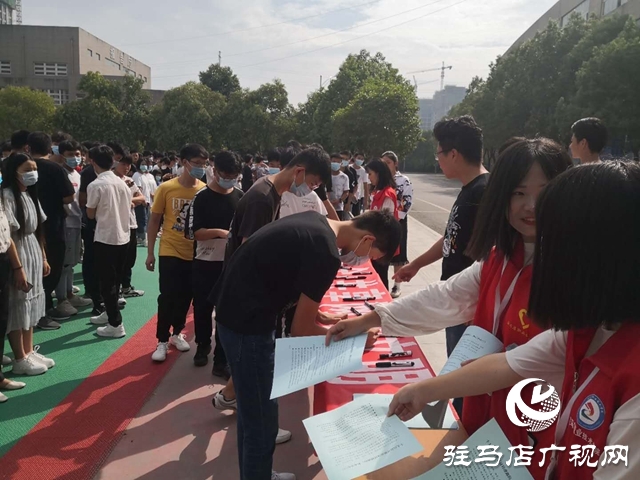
{"x":301,"y":362}
{"x":418,"y":422}
{"x":475,"y":343}
{"x":489,"y":434}
{"x":359,"y":438}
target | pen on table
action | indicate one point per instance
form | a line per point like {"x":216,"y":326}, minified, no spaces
{"x":383,"y":356}
{"x":368,"y":305}
{"x":358,"y":299}
{"x":394,"y":364}
{"x":358,"y":314}
{"x":351,"y":278}
{"x":345,"y":284}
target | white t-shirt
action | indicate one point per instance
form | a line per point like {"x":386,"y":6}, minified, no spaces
{"x":74,"y":214}
{"x":544,"y":357}
{"x":340,"y":183}
{"x":146,"y":182}
{"x":133,"y":220}
{"x":111,"y":198}
{"x":291,"y":204}
{"x":363,"y":177}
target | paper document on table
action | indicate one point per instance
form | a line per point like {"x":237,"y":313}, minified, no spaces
{"x":384,"y":399}
{"x":491,"y":435}
{"x":475,"y":343}
{"x":301,"y":362}
{"x":359,"y":438}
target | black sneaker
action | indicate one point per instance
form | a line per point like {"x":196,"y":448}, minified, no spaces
{"x":201,"y":358}
{"x":48,"y":323}
{"x":222,"y":371}
{"x":395,"y":291}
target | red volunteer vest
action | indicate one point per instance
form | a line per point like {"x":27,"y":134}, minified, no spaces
{"x":515,"y":328}
{"x":592,"y":412}
{"x":379,"y":196}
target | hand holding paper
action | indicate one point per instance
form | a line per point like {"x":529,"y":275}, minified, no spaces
{"x":475,"y":343}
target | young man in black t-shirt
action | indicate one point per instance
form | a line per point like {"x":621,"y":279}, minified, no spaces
{"x":293,"y":260}
{"x":207,"y":223}
{"x":459,"y":153}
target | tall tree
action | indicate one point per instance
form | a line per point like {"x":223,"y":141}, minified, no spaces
{"x":24,"y":108}
{"x":220,"y":79}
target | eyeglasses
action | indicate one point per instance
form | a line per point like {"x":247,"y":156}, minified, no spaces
{"x":441,"y":152}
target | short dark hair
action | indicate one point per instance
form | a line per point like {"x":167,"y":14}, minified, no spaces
{"x":462,"y":134}
{"x":273,"y":155}
{"x":346,"y":153}
{"x":133,"y":150}
{"x":385,"y":227}
{"x":118,"y":148}
{"x":315,"y":161}
{"x":287,"y":154}
{"x":102,"y":155}
{"x":19,"y":140}
{"x":59,"y":137}
{"x":127,"y":160}
{"x":68,"y":146}
{"x":583,"y":275}
{"x":247,"y":158}
{"x":593,"y":131}
{"x":227,"y":162}
{"x":165,"y":161}
{"x":336,"y":156}
{"x":390,"y":155}
{"x":5,"y":147}
{"x":492,"y":225}
{"x":89,"y":144}
{"x":39,"y":143}
{"x":156,"y":154}
{"x":193,"y":150}
{"x":294,"y":144}
{"x":358,"y":154}
{"x":385,"y":179}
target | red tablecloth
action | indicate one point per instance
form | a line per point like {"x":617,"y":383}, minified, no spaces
{"x":339,"y":391}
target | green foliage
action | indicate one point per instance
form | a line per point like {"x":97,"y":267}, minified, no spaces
{"x":22,"y":108}
{"x":220,"y":79}
{"x":422,"y":159}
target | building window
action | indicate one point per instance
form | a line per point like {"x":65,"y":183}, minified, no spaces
{"x":609,"y":6}
{"x":98,"y":55}
{"x":50,"y":69}
{"x":145,"y":79}
{"x":582,"y":10}
{"x":90,"y":52}
{"x":60,"y":97}
{"x":5,"y":67}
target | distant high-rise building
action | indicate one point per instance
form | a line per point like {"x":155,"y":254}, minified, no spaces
{"x":432,"y":110}
{"x":7,"y":9}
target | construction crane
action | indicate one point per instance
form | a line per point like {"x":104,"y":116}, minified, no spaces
{"x":18,"y":12}
{"x":441,"y":69}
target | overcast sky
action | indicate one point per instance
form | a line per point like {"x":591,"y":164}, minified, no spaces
{"x":299,"y":40}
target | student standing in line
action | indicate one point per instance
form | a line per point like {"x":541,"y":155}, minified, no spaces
{"x":54,"y":191}
{"x":26,"y":306}
{"x":339,"y":185}
{"x":345,"y":167}
{"x":147,"y":184}
{"x":109,"y":203}
{"x":68,"y":303}
{"x":273,"y":161}
{"x":404,"y":194}
{"x":383,"y":191}
{"x":588,"y":139}
{"x":247,"y":324}
{"x":459,"y":154}
{"x":587,"y":299}
{"x":501,"y":276}
{"x":247,"y":173}
{"x":208,"y":222}
{"x":172,"y":201}
{"x":362,"y":191}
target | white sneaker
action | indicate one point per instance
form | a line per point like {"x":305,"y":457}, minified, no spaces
{"x":221,"y":403}
{"x":282,"y":476}
{"x":3,"y":398}
{"x":111,"y":331}
{"x":179,"y":342}
{"x":13,"y":385}
{"x":101,"y":319}
{"x":27,"y":366}
{"x":121,"y":302}
{"x":6,"y":360}
{"x":160,"y":355}
{"x":283,"y":436}
{"x":39,"y":358}
{"x":75,"y":290}
{"x":80,"y":302}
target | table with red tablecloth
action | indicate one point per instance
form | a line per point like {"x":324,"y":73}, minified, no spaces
{"x":339,"y":391}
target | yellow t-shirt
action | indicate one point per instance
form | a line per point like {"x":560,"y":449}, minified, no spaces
{"x":172,"y":200}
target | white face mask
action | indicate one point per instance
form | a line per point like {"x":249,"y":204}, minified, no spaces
{"x":353,"y":260}
{"x":29,"y":178}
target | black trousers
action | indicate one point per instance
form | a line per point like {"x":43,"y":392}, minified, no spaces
{"x":89,"y":275}
{"x":109,"y":265}
{"x":130,"y":261}
{"x":176,"y":293}
{"x":56,"y":250}
{"x":383,"y":271}
{"x":356,"y":208}
{"x":5,"y":270}
{"x":205,"y":276}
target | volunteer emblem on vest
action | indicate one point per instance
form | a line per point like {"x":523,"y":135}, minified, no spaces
{"x":523,"y":322}
{"x":591,"y":413}
{"x":546,"y":406}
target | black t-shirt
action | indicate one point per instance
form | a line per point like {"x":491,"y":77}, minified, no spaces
{"x":247,"y":178}
{"x":210,"y":209}
{"x":353,"y":178}
{"x":257,"y":208}
{"x":53,"y":186}
{"x":460,"y":227}
{"x":87,"y":175}
{"x":321,"y":191}
{"x":268,"y":273}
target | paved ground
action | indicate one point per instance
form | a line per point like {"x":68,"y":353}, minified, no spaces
{"x":433,"y":197}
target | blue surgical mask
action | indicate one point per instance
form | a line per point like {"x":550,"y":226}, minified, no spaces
{"x":143,"y":168}
{"x":359,"y":162}
{"x":72,"y":162}
{"x":29,"y":178}
{"x":227,"y":183}
{"x":158,"y":178}
{"x":301,"y":190}
{"x":55,"y":149}
{"x":273,"y":170}
{"x":197,"y":172}
{"x":345,"y":163}
{"x":335,"y":166}
{"x":354,"y":260}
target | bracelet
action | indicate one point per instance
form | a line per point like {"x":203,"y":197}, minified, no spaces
{"x":18,"y":268}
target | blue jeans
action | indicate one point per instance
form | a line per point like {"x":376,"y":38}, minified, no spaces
{"x":454,"y":334}
{"x":251,"y":358}
{"x":142,"y":217}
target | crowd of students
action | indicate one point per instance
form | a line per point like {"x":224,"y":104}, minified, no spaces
{"x":527,"y":248}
